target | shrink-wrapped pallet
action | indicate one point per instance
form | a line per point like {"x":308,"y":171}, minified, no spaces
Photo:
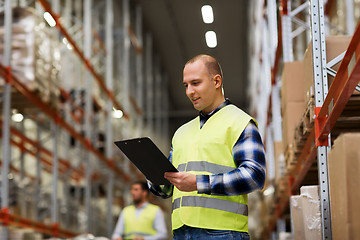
{"x":310,"y":201}
{"x":34,"y":53}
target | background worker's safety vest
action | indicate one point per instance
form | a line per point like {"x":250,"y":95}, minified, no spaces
{"x":142,"y":225}
{"x":208,"y":151}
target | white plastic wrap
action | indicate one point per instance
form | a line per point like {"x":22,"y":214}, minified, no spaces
{"x":285,"y":236}
{"x":310,"y":201}
{"x":297,"y":217}
{"x":32,"y":53}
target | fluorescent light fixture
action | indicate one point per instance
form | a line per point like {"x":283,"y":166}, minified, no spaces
{"x":49,"y":19}
{"x":117,"y":113}
{"x":65,"y":41}
{"x":211,"y":40}
{"x":207,"y":14}
{"x":17,"y":117}
{"x":69,"y":46}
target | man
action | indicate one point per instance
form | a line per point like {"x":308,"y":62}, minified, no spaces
{"x":141,"y":221}
{"x":220,"y":158}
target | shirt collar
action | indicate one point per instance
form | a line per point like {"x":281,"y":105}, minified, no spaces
{"x":207,"y":116}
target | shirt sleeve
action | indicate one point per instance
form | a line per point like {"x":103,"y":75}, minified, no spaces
{"x":164,"y":191}
{"x":249,"y":157}
{"x":160,"y":227}
{"x":119,"y":229}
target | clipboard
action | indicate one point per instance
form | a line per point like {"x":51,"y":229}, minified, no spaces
{"x":148,"y":158}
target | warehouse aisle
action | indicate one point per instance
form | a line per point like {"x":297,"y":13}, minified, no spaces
{"x":76,"y":76}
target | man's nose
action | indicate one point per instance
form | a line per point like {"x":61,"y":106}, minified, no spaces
{"x":189,"y":90}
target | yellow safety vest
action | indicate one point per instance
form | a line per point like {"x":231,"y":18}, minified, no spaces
{"x":142,"y":225}
{"x":208,"y":151}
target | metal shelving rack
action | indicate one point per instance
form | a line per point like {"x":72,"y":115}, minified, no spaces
{"x":98,"y":66}
{"x":329,"y":103}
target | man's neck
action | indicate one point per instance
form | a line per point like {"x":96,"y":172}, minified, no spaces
{"x":215,"y":105}
{"x":141,"y":204}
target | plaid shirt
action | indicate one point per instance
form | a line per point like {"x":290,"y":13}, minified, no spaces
{"x":249,"y":157}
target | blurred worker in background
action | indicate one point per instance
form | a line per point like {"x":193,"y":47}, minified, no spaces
{"x":220,"y":158}
{"x":142,"y":220}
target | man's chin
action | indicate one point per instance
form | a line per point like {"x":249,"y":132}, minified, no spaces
{"x":197,"y":107}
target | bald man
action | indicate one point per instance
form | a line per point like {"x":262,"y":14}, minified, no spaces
{"x":220,"y":158}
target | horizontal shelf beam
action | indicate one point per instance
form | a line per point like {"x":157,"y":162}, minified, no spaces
{"x":17,"y":171}
{"x":8,"y":219}
{"x":64,"y":164}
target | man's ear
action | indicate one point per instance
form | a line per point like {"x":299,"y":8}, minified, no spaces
{"x":218,"y":80}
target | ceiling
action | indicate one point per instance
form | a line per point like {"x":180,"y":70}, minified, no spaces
{"x":179,"y":34}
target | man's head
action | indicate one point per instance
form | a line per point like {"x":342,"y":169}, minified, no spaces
{"x":139,"y":192}
{"x":202,"y":78}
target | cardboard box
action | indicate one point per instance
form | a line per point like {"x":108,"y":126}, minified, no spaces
{"x":292,"y":79}
{"x":279,"y":160}
{"x":344,"y":179}
{"x":310,"y":202}
{"x":335,"y":45}
{"x":297,"y":219}
{"x":290,"y":118}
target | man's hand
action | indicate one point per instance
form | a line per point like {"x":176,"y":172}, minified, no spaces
{"x":183,"y":181}
{"x":138,"y":238}
{"x":118,"y":238}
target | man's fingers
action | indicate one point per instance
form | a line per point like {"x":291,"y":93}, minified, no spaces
{"x":171,"y":174}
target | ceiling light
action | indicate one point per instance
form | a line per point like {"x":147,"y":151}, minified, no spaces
{"x":207,"y":14}
{"x":210,"y":37}
{"x":69,"y":46}
{"x":17,"y":117}
{"x":49,"y":19}
{"x":65,"y":41}
{"x":117,"y":113}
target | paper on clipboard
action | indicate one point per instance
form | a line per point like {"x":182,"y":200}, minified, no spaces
{"x":148,"y":158}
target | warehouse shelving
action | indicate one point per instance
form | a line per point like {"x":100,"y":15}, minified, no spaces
{"x":80,"y":53}
{"x":329,"y":104}
{"x":29,"y":146}
{"x":61,"y":120}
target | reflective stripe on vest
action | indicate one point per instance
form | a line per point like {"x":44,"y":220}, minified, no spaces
{"x":204,"y":167}
{"x":139,"y":234}
{"x":213,"y":203}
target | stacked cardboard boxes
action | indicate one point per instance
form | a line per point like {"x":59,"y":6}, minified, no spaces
{"x":344,"y":179}
{"x":292,"y":99}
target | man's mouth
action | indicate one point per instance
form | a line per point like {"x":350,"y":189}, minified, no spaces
{"x":195,"y":99}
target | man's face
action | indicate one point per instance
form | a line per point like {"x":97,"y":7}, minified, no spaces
{"x":138,"y":195}
{"x":200,"y":87}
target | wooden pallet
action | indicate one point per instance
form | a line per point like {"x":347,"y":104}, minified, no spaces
{"x":22,"y":104}
{"x":291,"y":154}
{"x":306,"y":123}
{"x":280,"y":188}
{"x":18,"y":101}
